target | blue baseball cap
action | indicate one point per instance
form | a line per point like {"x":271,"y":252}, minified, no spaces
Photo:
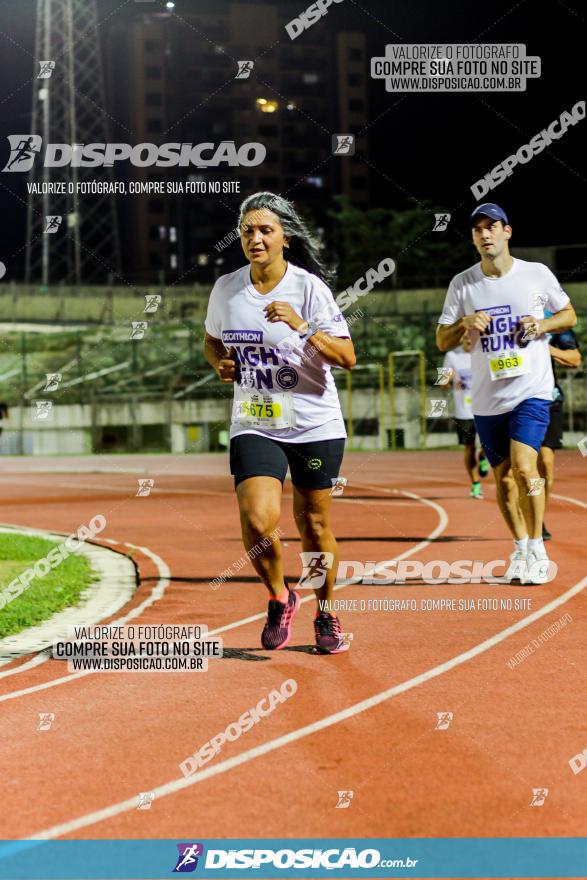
{"x":489,"y":209}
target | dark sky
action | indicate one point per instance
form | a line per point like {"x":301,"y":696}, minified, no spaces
{"x":428,"y":146}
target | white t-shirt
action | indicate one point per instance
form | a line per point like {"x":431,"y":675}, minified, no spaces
{"x":527,"y":289}
{"x":459,"y":360}
{"x":270,"y":354}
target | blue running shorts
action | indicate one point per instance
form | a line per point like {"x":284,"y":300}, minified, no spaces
{"x":527,"y":423}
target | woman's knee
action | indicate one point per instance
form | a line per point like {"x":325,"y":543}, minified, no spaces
{"x":260,"y":517}
{"x":312,"y":524}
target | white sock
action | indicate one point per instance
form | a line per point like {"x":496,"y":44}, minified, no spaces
{"x":537,"y":546}
{"x":522,"y":544}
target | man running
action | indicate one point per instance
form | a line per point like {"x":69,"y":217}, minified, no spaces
{"x":564,"y":350}
{"x":501,"y":302}
{"x":458,"y":362}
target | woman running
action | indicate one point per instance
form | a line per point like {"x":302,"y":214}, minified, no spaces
{"x":274,"y":329}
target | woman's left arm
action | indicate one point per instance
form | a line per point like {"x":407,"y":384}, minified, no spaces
{"x":336,"y":350}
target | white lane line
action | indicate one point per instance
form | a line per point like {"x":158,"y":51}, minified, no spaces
{"x":442,"y":524}
{"x":415,"y":475}
{"x":130,"y":490}
{"x":568,"y":498}
{"x":156,"y":593}
{"x":39,"y":658}
{"x":178,"y":784}
{"x":124,"y":490}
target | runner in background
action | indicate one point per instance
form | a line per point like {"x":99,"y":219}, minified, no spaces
{"x":458,"y":361}
{"x":564,"y":350}
{"x":3,"y":413}
{"x":501,"y":302}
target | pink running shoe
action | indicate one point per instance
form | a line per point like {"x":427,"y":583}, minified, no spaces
{"x":277,"y":630}
{"x":329,"y":635}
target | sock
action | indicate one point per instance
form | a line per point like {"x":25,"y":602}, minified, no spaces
{"x":284,"y":598}
{"x":522,"y":544}
{"x":537,"y":545}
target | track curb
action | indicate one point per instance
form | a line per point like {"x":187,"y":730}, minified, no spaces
{"x":115,"y":586}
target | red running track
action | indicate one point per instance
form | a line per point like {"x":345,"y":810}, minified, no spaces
{"x":364,"y":721}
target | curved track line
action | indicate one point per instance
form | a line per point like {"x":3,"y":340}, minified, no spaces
{"x":179,"y":784}
{"x":156,"y":593}
{"x":123,"y":490}
{"x":568,"y":498}
{"x":443,"y":522}
{"x":39,"y":658}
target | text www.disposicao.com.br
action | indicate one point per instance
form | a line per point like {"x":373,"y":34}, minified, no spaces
{"x":136,"y":664}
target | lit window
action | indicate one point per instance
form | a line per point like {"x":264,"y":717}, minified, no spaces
{"x":267,"y":106}
{"x":173,"y":261}
{"x":161,"y":233}
{"x":172,"y":234}
{"x":315,"y":181}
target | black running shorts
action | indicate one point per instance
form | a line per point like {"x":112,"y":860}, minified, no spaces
{"x":465,"y":431}
{"x":554,"y":433}
{"x":312,"y":465}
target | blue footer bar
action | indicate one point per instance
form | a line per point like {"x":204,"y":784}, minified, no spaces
{"x":302,"y":858}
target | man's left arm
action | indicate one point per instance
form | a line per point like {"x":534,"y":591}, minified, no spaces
{"x":561,"y":320}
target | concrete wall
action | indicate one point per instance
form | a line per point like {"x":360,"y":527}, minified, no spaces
{"x":68,"y":430}
{"x":194,"y":424}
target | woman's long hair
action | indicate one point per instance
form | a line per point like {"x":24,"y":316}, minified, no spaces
{"x":304,"y":248}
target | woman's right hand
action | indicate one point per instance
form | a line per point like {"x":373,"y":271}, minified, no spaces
{"x":227,"y":368}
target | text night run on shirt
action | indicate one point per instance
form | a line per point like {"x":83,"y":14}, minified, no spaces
{"x":257,"y":361}
{"x":503,"y":331}
{"x":252,"y":376}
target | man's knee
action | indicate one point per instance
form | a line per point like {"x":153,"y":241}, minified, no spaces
{"x":504,"y":479}
{"x":524,"y":470}
{"x":548,"y":476}
{"x":546,"y":468}
{"x":506,"y":482}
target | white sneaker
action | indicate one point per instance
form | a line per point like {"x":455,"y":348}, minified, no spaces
{"x":536,"y":569}
{"x":517,"y":567}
